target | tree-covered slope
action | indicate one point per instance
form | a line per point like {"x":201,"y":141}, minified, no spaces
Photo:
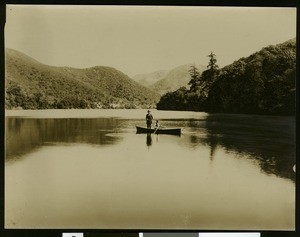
{"x":32,"y":85}
{"x":263,"y":83}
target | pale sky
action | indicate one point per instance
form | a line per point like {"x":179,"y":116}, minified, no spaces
{"x":143,"y":39}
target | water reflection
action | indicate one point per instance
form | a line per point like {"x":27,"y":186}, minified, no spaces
{"x":148,"y":139}
{"x":218,"y":156}
{"x":24,"y":135}
{"x":268,"y":140}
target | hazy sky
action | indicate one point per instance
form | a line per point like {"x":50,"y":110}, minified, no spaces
{"x":143,"y":39}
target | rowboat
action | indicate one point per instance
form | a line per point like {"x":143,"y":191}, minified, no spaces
{"x":173,"y":131}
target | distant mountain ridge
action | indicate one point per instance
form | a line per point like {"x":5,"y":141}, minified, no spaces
{"x":164,"y":81}
{"x":147,"y":79}
{"x":33,"y":85}
{"x":174,"y":79}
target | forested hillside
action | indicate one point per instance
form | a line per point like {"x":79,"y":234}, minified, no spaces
{"x":33,"y":85}
{"x":263,"y":83}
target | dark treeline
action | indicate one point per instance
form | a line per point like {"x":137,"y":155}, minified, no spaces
{"x":18,"y":97}
{"x":263,"y":83}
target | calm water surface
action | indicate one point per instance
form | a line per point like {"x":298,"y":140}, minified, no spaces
{"x":89,"y":169}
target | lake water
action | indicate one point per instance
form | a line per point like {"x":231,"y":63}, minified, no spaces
{"x":89,"y":169}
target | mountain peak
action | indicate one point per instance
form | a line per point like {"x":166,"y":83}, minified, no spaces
{"x":17,"y":55}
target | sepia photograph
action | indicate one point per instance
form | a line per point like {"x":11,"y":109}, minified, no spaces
{"x":150,"y":117}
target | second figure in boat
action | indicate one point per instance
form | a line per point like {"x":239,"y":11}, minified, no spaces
{"x":156,"y":126}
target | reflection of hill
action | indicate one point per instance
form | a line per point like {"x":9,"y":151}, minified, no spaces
{"x":23,"y":135}
{"x":269,"y":140}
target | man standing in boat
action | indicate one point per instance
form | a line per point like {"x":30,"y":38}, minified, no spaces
{"x":149,"y":119}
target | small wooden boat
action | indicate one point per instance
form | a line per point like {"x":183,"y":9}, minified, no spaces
{"x":173,"y":131}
